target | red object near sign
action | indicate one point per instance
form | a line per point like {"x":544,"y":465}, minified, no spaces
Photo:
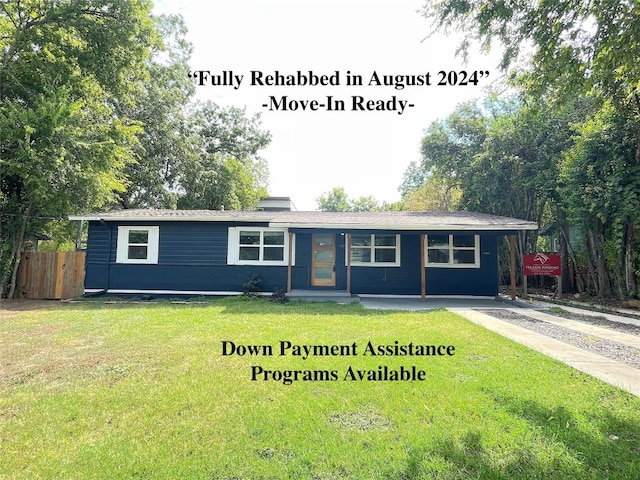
{"x":542,"y":264}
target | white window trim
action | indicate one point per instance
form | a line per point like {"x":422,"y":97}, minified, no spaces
{"x":122,"y":247}
{"x":233,"y":247}
{"x":373,"y":263}
{"x":475,"y":248}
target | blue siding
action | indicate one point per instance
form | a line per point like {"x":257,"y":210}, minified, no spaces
{"x":192,"y":244}
{"x":192,"y":277}
{"x":98,"y":243}
{"x":468,"y":281}
{"x":97,"y":259}
{"x":405,"y":279}
{"x":402,"y":280}
{"x":193,"y":256}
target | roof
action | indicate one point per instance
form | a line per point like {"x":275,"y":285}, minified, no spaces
{"x":353,"y":220}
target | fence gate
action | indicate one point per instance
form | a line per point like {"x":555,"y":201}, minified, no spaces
{"x":51,"y":275}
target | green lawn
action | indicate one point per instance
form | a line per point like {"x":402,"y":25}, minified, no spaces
{"x":136,"y":391}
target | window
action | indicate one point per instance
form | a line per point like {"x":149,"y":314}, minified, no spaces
{"x":453,"y":251}
{"x":137,"y":245}
{"x":372,"y":250}
{"x":257,"y":246}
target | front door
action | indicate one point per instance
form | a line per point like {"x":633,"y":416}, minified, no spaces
{"x":323,"y":261}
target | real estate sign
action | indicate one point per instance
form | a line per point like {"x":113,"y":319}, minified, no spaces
{"x":542,"y":264}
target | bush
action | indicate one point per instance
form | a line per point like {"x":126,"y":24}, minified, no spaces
{"x":250,"y":286}
{"x":279,"y":296}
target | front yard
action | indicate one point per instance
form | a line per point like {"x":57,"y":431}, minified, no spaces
{"x":131,"y":391}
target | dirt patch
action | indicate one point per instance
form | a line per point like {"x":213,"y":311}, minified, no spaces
{"x":633,"y":303}
{"x":35,"y":349}
{"x":361,"y":420}
{"x":576,"y":300}
{"x":13,"y":308}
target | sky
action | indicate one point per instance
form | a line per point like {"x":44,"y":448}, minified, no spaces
{"x":312,"y":151}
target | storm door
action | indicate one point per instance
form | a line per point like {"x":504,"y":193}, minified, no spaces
{"x":323,"y":261}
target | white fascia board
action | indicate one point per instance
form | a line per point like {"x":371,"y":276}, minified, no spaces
{"x":327,"y":226}
{"x":359,"y":226}
{"x":83,"y":217}
{"x":117,"y":291}
{"x":165,"y":218}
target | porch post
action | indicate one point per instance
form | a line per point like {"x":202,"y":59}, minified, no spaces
{"x":512,"y":264}
{"x":348,"y":254}
{"x":289,"y":262}
{"x":423,"y":276}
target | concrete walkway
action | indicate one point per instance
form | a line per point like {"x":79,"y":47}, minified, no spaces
{"x":605,"y":369}
{"x":435,"y":303}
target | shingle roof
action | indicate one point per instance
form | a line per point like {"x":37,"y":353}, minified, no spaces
{"x":356,"y":220}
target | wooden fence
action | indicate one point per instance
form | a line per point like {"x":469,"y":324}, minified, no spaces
{"x":50,"y":275}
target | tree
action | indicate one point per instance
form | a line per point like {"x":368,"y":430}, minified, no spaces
{"x":500,"y":156}
{"x":335,"y":200}
{"x":600,"y":188}
{"x":95,"y":113}
{"x":229,"y":131}
{"x":225,"y":169}
{"x":433,"y":195}
{"x":165,"y":147}
{"x":189,"y":155}
{"x":68,"y":68}
{"x":224,"y":183}
{"x":572,"y":49}
{"x":365,"y":204}
{"x":105,"y":42}
{"x":449,"y":145}
{"x":449,"y":148}
{"x":413,"y":178}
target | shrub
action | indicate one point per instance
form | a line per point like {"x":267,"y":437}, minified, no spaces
{"x":279,"y":295}
{"x":250,"y":286}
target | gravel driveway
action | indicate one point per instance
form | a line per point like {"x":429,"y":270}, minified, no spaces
{"x":618,"y":351}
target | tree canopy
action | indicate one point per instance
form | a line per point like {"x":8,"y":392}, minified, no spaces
{"x":96,"y":112}
{"x":67,"y":70}
{"x":337,"y":200}
{"x":571,"y":169}
{"x":559,"y":47}
{"x":568,"y":154}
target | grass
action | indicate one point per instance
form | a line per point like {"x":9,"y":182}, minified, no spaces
{"x":130,"y":391}
{"x":562,"y":312}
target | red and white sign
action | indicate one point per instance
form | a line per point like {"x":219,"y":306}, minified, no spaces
{"x":542,"y":264}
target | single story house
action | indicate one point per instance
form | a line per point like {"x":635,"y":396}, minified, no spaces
{"x":207,"y":252}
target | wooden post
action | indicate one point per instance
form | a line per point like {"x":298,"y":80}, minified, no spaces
{"x":559,"y":277}
{"x":348,"y":254}
{"x":59,"y":267}
{"x":512,"y":251}
{"x":289,"y":262}
{"x":423,"y":274}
